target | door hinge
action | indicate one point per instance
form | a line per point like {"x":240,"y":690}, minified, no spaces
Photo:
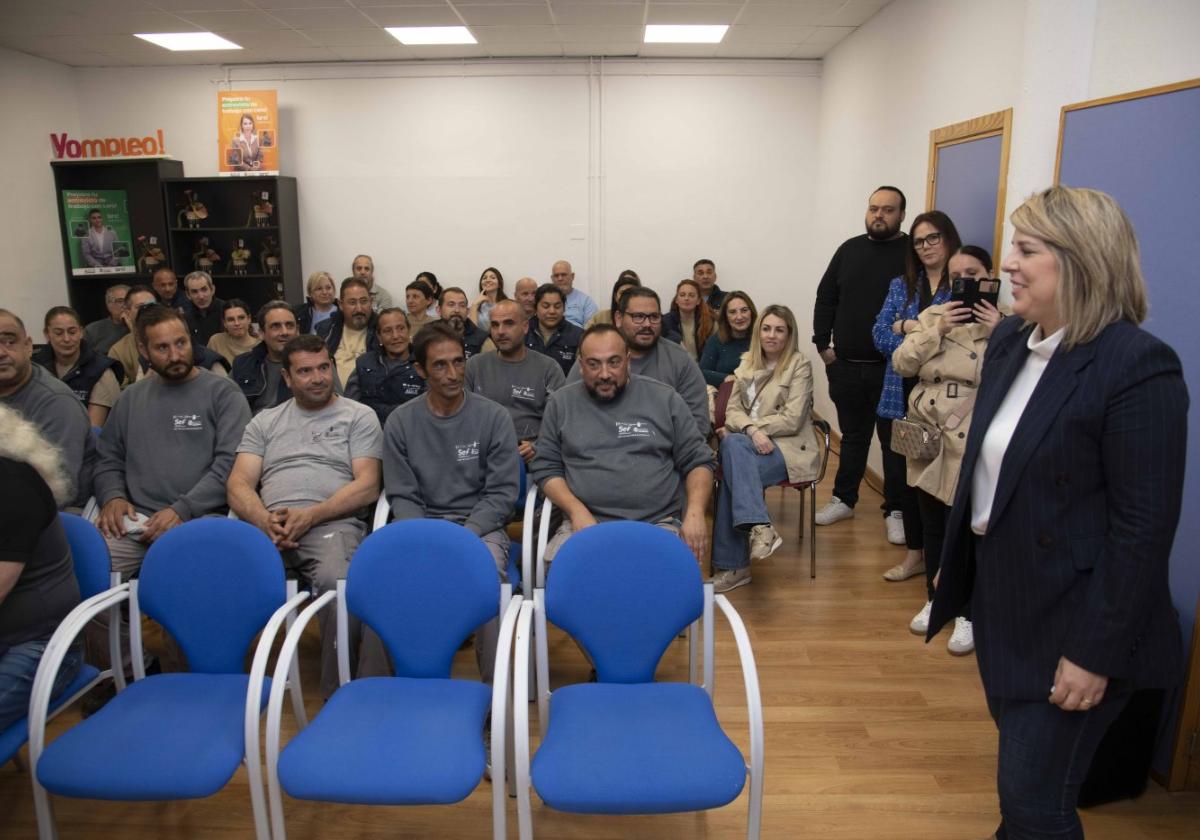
{"x":1193,"y":742}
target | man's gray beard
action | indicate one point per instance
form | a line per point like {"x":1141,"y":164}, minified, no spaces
{"x":620,"y":389}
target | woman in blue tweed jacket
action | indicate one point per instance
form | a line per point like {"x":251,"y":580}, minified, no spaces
{"x":925,"y":282}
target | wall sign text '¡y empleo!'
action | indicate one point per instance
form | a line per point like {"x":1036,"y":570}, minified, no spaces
{"x":107,"y":147}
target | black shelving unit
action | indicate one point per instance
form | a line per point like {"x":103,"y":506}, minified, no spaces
{"x":229,"y":203}
{"x":142,"y":180}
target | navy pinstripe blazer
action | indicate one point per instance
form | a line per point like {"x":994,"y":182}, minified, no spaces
{"x":1074,"y":562}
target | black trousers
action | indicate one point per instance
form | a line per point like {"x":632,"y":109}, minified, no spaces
{"x":933,"y":521}
{"x":855,"y":388}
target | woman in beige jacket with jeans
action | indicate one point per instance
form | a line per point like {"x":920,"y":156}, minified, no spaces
{"x":944,"y":347}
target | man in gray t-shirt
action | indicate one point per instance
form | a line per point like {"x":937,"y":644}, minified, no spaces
{"x":614,"y":447}
{"x":513,"y":376}
{"x":306,"y":471}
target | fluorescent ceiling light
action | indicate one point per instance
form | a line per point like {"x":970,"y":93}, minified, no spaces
{"x":179,"y":41}
{"x":425,"y":35}
{"x":680,"y":34}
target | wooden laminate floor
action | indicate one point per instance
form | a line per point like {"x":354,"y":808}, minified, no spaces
{"x":869,"y":732}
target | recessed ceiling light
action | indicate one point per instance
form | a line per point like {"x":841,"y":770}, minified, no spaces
{"x":680,"y":34}
{"x":425,"y":35}
{"x":180,"y":41}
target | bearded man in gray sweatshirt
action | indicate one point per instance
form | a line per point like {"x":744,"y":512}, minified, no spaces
{"x":451,"y":454}
{"x":614,"y":445}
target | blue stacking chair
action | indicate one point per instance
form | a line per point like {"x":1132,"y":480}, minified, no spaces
{"x":415,"y":738}
{"x":213,"y":584}
{"x":627,"y":744}
{"x":89,"y":553}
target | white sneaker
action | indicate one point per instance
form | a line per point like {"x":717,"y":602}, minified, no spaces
{"x":894,"y":523}
{"x":763,"y":542}
{"x":962,"y":640}
{"x":835,"y":511}
{"x":920,"y":622}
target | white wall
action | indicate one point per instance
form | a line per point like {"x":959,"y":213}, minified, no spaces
{"x":39,"y":96}
{"x":649,"y":166}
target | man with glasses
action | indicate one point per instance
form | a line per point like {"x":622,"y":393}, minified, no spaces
{"x":104,"y":333}
{"x":350,"y":331}
{"x":610,"y":425}
{"x":848,"y":298}
{"x":639,"y":320}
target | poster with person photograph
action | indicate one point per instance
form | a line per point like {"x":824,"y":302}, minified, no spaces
{"x":247,"y":132}
{"x":98,"y":236}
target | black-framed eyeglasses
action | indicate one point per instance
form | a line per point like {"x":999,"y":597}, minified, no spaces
{"x":644,"y":317}
{"x":929,"y":241}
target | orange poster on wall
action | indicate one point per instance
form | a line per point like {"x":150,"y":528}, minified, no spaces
{"x":247,"y":132}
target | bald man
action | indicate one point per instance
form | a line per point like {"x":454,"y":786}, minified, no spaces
{"x":523,"y":293}
{"x":579,"y":307}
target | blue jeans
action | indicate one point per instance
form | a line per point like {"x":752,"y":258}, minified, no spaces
{"x":740,"y":503}
{"x":1045,"y":754}
{"x":18,"y":666}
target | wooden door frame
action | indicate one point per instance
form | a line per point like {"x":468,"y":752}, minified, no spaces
{"x":998,"y":124}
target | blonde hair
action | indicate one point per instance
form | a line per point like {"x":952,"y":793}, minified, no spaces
{"x":23,"y":441}
{"x":1099,"y":272}
{"x":754,"y":359}
{"x":314,"y":277}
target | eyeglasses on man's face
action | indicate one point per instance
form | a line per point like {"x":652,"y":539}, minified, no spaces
{"x":644,"y":317}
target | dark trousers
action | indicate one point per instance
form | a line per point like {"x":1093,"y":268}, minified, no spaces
{"x":933,"y":524}
{"x":855,"y":388}
{"x":1044,"y":756}
{"x":914,"y":529}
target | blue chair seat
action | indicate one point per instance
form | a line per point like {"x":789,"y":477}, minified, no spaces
{"x":391,"y":741}
{"x":645,"y":748}
{"x":13,"y":738}
{"x":169,"y":736}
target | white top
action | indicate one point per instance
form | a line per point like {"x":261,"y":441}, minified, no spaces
{"x":1000,"y":432}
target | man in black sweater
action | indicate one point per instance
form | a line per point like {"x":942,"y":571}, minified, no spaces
{"x":848,"y":299}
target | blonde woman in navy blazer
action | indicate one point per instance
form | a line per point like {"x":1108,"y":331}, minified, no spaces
{"x":1066,"y":507}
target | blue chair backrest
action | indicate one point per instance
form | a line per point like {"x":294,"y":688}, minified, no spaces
{"x":212,"y":583}
{"x":423,"y":585}
{"x":624,"y":590}
{"x":89,"y":552}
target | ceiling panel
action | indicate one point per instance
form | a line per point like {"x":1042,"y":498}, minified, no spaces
{"x":90,"y":32}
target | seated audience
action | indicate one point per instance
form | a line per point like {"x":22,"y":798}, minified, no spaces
{"x":259,"y":371}
{"x":514,"y":376}
{"x":165,"y":283}
{"x":614,"y":445}
{"x":104,"y":333}
{"x":350,"y":331}
{"x":420,"y":303}
{"x":451,"y":454}
{"x":627,"y":280}
{"x":524,"y":293}
{"x":578,"y":308}
{"x":386,"y":378}
{"x":452,"y":310}
{"x":551,"y":334}
{"x":320,"y":302}
{"x":37,"y":578}
{"x":704,"y":274}
{"x":306,"y":474}
{"x":48,"y":403}
{"x":724,"y":348}
{"x":491,"y":290}
{"x":768,"y":438}
{"x":639,"y":320}
{"x":235,"y":337}
{"x":363,"y":268}
{"x":167,"y":447}
{"x":203,"y":310}
{"x":944,"y":349}
{"x":67,"y":356}
{"x":689,"y":318}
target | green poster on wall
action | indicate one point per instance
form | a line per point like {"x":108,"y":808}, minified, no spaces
{"x":98,"y":231}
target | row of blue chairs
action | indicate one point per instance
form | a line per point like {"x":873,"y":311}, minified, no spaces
{"x":624,"y":744}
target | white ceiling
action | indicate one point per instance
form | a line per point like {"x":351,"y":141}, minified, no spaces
{"x":99,"y":32}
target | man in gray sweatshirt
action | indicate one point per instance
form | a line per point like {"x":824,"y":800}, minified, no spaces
{"x":613,"y":447}
{"x":513,"y":376}
{"x":639,"y":320}
{"x":450,"y":454}
{"x":168,"y":445}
